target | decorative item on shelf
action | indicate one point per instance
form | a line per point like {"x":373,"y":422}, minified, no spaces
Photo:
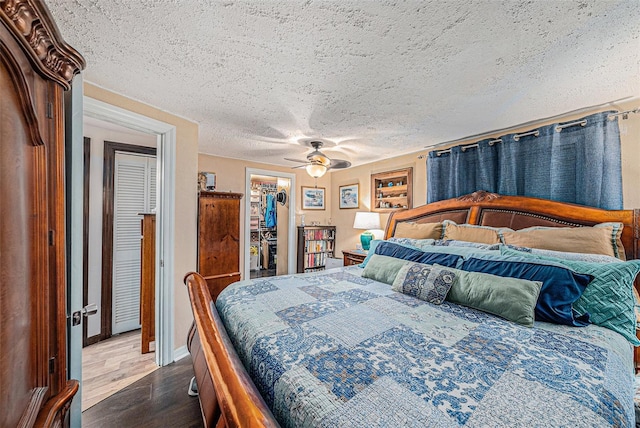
{"x":390,"y":184}
{"x":368,"y":221}
{"x":206,"y":180}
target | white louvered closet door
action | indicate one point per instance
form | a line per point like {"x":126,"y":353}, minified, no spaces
{"x":134,"y":193}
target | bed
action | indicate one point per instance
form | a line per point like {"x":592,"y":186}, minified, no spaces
{"x":363,"y":347}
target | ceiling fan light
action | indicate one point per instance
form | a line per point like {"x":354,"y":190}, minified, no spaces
{"x":316,"y":170}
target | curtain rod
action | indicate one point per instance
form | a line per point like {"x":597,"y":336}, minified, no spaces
{"x":624,"y":114}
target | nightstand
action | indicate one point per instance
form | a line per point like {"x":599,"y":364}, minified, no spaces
{"x":353,"y":257}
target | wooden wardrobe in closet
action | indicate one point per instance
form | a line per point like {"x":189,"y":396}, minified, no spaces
{"x":219,"y":239}
{"x":36,"y":67}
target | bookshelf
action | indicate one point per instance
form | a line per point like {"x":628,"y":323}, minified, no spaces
{"x":315,"y":245}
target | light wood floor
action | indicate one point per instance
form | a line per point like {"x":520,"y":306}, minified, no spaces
{"x":111,"y":365}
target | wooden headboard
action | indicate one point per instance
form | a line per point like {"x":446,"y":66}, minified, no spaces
{"x":519,"y":212}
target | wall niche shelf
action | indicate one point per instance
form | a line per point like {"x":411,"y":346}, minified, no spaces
{"x":392,"y":190}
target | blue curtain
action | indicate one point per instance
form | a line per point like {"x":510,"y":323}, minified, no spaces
{"x":579,"y":164}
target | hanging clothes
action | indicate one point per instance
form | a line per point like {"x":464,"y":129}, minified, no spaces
{"x":270,"y":214}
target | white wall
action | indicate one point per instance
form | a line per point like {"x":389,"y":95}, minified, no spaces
{"x":99,"y":132}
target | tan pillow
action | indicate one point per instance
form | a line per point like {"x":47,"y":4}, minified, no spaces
{"x":418,"y":230}
{"x":601,"y":239}
{"x":470,"y":233}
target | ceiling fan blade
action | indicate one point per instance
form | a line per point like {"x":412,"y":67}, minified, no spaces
{"x":297,"y":160}
{"x":300,"y":166}
{"x":339,"y":163}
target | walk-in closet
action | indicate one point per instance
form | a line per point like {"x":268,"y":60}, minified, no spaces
{"x":269,"y":209}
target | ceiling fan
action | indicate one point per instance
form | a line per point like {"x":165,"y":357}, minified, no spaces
{"x":318,"y":163}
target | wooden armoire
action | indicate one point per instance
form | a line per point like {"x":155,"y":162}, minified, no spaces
{"x":219,"y":239}
{"x":36,"y":67}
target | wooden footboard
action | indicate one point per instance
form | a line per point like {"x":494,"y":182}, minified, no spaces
{"x":228,"y":397}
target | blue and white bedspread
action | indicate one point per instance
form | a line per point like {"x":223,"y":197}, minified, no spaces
{"x":334,"y":349}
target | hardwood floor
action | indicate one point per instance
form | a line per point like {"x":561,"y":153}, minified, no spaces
{"x":111,"y":365}
{"x":159,"y":399}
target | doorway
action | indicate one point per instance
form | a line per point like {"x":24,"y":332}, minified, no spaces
{"x":165,"y":137}
{"x":269,"y":223}
{"x":120,"y":183}
{"x":268,"y":204}
{"x":117,"y":172}
{"x":133,"y":194}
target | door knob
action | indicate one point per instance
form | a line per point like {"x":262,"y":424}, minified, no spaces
{"x":90,"y":309}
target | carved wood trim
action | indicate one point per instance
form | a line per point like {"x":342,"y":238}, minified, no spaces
{"x":478,"y":196}
{"x":23,"y":94}
{"x":31,"y":412}
{"x":221,"y":195}
{"x":36,"y":31}
{"x":55,"y":410}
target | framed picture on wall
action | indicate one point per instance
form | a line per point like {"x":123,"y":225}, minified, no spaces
{"x":349,"y":196}
{"x":312,"y":198}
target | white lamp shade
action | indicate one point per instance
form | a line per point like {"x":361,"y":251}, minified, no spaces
{"x":366,"y":220}
{"x":316,"y":170}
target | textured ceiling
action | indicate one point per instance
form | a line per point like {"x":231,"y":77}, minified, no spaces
{"x":372,"y":79}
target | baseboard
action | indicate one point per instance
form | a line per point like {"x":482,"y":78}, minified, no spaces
{"x":180,"y":353}
{"x":92,"y":340}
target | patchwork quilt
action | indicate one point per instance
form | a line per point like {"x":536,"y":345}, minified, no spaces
{"x":333,"y":349}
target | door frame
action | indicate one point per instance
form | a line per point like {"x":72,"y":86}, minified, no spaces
{"x":291,"y":256}
{"x":86,"y":149}
{"x":108,"y":217}
{"x":165,"y":221}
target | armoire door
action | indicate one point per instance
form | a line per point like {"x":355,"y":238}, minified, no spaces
{"x":134,"y":193}
{"x":36,"y":66}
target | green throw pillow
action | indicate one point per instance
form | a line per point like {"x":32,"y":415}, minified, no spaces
{"x":511,"y":298}
{"x":383,"y":268}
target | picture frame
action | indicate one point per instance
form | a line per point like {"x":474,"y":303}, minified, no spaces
{"x":313,"y":198}
{"x":206,"y":181}
{"x":349,"y":196}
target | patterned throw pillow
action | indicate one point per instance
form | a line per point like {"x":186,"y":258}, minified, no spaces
{"x":425,"y":282}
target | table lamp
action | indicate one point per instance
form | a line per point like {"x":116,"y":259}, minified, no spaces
{"x":367,"y":221}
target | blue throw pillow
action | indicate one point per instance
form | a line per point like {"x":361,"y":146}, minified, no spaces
{"x":561,"y":287}
{"x":398,"y":251}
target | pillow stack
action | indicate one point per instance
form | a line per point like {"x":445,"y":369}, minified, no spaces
{"x":570,"y":276}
